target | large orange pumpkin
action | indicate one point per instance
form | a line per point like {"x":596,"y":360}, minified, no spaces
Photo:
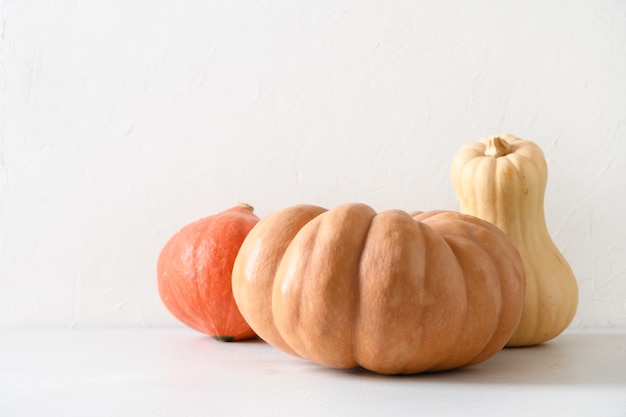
{"x":392,"y":292}
{"x":194,"y":273}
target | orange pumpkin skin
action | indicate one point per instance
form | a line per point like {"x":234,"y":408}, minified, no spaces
{"x":194,"y":272}
{"x":392,"y":292}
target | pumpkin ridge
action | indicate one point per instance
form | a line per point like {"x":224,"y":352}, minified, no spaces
{"x":500,"y":317}
{"x":206,"y":319}
{"x":446,"y":362}
{"x":298,"y":224}
{"x":462,"y":247}
{"x":358,"y":305}
{"x":365,"y":215}
{"x":427,"y":226}
{"x":177,"y":300}
{"x":282,"y":283}
{"x":255,"y":265}
{"x":307,"y":315}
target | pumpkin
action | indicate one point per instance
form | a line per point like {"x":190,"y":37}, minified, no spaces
{"x":502,"y":179}
{"x":194,"y":273}
{"x":392,"y":292}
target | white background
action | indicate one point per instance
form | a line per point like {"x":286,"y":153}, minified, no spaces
{"x":121,"y":121}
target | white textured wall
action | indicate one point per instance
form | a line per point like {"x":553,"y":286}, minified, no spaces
{"x":121,"y":121}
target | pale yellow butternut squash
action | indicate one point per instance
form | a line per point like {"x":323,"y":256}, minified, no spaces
{"x":502,"y":179}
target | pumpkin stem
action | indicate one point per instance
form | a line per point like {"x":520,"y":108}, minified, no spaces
{"x":224,"y":338}
{"x":245,"y":206}
{"x":497,"y":147}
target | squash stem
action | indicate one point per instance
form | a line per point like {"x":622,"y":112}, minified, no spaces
{"x":497,"y":147}
{"x":245,"y":206}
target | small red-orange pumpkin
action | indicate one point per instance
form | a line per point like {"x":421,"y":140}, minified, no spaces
{"x":194,"y":273}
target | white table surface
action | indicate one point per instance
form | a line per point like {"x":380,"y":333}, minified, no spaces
{"x":178,"y":372}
